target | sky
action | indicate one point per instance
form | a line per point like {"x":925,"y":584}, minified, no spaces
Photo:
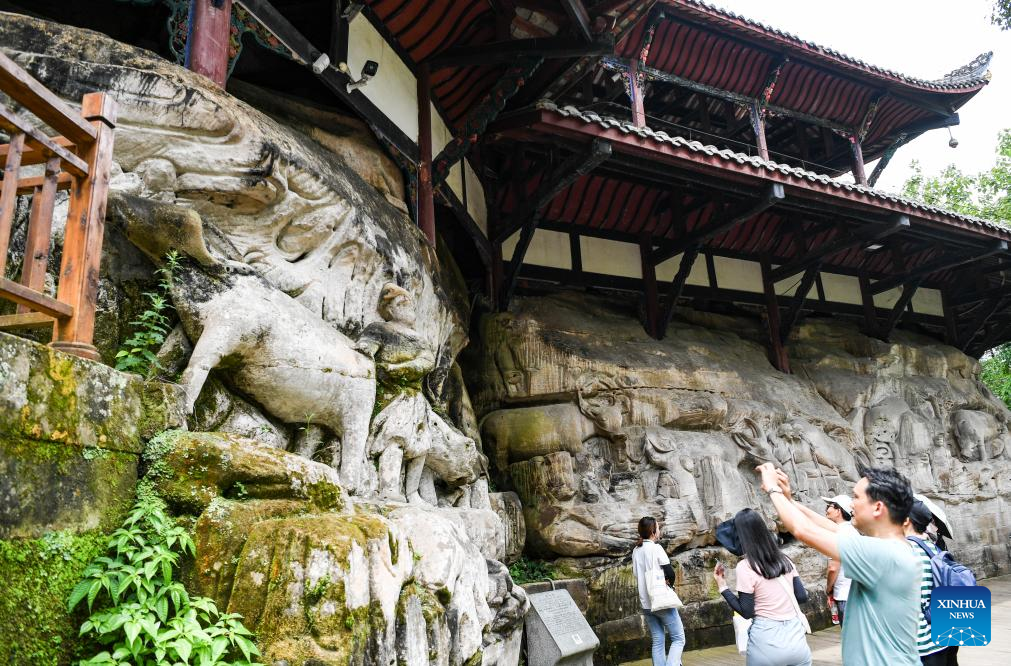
{"x":921,"y":38}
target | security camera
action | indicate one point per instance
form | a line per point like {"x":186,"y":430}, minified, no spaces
{"x":321,"y":63}
{"x":369,"y":69}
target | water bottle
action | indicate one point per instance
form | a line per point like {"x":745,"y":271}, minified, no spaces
{"x":835,"y":613}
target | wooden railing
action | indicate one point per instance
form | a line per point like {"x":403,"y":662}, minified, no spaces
{"x":77,"y":158}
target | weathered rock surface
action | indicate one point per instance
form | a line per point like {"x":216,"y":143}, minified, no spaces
{"x":319,"y":578}
{"x":593,"y":424}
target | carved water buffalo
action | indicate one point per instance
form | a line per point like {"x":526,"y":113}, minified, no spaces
{"x":515,"y":435}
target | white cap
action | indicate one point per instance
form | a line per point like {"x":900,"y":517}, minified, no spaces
{"x":844,"y":502}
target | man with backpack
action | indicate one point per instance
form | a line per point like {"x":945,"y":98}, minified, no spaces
{"x":936,"y":568}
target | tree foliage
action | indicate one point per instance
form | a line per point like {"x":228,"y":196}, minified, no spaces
{"x":987,"y":195}
{"x":1001,"y":15}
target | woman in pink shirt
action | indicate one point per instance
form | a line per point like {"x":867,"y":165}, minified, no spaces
{"x":768,"y":590}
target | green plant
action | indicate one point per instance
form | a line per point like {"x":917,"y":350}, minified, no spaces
{"x":138,"y":352}
{"x":140,"y":615}
{"x":529,"y":571}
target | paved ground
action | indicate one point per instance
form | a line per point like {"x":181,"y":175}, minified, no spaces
{"x":827,"y":651}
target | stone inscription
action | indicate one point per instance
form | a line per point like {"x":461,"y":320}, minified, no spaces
{"x":564,"y":622}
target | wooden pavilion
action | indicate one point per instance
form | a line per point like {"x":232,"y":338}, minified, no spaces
{"x":667,"y":149}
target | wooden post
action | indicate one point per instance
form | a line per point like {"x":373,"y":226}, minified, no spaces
{"x":649,"y":285}
{"x":82,"y":244}
{"x":638,"y":111}
{"x":758,"y":125}
{"x":40,"y":224}
{"x":950,"y":325}
{"x":9,"y":196}
{"x":426,"y":200}
{"x":778,"y":350}
{"x":859,"y":175}
{"x":870,"y":311}
{"x":207,"y":50}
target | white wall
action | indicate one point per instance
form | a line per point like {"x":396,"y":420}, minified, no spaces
{"x":394,"y":91}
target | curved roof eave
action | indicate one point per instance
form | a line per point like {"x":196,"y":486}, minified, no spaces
{"x":968,"y":78}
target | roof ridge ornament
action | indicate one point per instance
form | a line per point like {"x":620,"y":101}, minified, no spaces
{"x":978,"y":68}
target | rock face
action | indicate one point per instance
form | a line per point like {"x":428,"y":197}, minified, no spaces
{"x":594,"y":424}
{"x":314,"y":316}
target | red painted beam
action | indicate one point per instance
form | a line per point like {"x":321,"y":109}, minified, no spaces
{"x":208,"y":49}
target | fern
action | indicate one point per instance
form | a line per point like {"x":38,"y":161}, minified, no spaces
{"x":138,"y":353}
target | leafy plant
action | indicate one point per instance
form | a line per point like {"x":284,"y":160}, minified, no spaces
{"x":138,"y":352}
{"x":140,"y":614}
{"x":530,"y":571}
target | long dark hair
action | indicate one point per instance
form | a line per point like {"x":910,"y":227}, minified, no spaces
{"x":647,"y":525}
{"x":759,"y":545}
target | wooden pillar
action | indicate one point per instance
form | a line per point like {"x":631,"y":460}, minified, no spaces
{"x":649,"y":285}
{"x":638,"y":111}
{"x":40,"y":223}
{"x":870,"y":311}
{"x":82,"y":240}
{"x":950,"y":325}
{"x":777,"y":350}
{"x":207,"y":46}
{"x":859,"y":175}
{"x":758,"y":125}
{"x":426,"y":200}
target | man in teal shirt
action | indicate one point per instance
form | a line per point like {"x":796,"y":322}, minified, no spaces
{"x":882,"y":609}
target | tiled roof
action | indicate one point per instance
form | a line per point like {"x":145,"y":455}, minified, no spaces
{"x":973,"y":74}
{"x":607,"y":122}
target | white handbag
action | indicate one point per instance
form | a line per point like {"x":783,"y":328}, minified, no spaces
{"x":741,"y":627}
{"x":661,"y":596}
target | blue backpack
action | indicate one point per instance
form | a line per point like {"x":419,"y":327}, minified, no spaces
{"x":946,"y":571}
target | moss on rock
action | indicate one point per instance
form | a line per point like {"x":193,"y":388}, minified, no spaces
{"x":39,"y":575}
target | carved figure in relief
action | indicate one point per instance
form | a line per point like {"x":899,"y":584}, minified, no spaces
{"x":401,"y":355}
{"x":974,"y":432}
{"x":813,"y":457}
{"x":278,"y":352}
{"x":410,"y":437}
{"x":514,"y":435}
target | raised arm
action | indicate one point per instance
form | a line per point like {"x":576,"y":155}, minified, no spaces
{"x":793,"y":518}
{"x":817,"y":518}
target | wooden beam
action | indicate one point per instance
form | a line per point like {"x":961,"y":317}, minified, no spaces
{"x":570,"y":171}
{"x":32,"y":154}
{"x":8,"y":194}
{"x":737,"y":98}
{"x":635,"y":87}
{"x":567,"y":173}
{"x":944,"y":263}
{"x":46,"y":106}
{"x":870,"y":312}
{"x":773,"y":195}
{"x":38,"y":302}
{"x":302,"y":49}
{"x":677,"y":286}
{"x":496,"y":53}
{"x":758,"y":127}
{"x":988,"y":310}
{"x":82,"y":238}
{"x":649,"y":288}
{"x":908,"y":291}
{"x":14,"y":124}
{"x":40,"y":224}
{"x":859,"y":238}
{"x":64,"y":181}
{"x":476,"y":122}
{"x":26,"y":320}
{"x":950,"y":325}
{"x":777,"y":351}
{"x":208,"y":41}
{"x":976,"y":296}
{"x":579,"y":18}
{"x":859,"y":175}
{"x":426,"y":200}
{"x":793,"y":314}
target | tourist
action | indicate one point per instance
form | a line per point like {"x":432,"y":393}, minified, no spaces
{"x":916,"y":531}
{"x":884,"y":595}
{"x":838,"y":509}
{"x":648,"y":555}
{"x":768,"y":590}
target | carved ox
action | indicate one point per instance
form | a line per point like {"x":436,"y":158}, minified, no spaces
{"x":515,"y":435}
